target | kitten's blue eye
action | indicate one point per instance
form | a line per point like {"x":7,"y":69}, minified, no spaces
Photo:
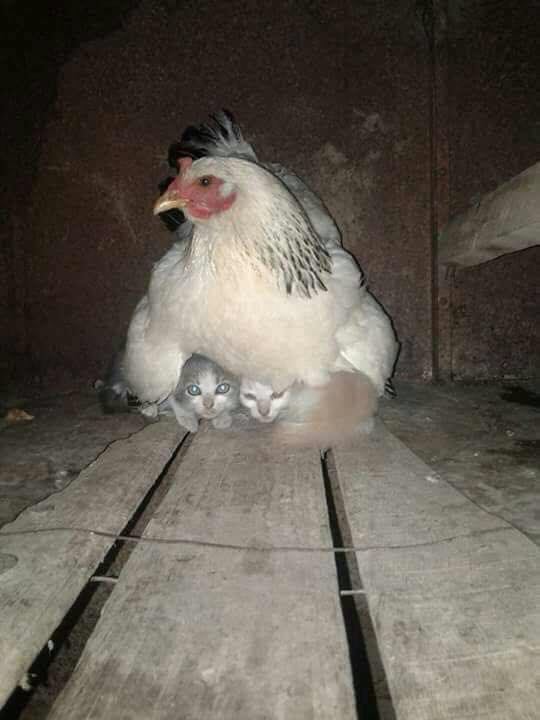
{"x":193,"y":390}
{"x":223,"y":388}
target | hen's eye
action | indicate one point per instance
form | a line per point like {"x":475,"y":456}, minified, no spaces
{"x":193,"y":390}
{"x":205,"y":181}
{"x":223,"y":388}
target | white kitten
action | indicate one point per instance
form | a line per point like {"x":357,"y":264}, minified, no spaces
{"x":263,"y":403}
{"x":315,"y":416}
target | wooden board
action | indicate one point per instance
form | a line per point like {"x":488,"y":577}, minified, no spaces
{"x":43,"y":573}
{"x":504,"y":221}
{"x":452,"y":590}
{"x":193,"y":632}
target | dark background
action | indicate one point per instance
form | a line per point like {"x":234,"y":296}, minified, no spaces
{"x":342,"y":92}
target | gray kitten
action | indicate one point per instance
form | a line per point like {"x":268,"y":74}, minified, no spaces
{"x":205,"y":391}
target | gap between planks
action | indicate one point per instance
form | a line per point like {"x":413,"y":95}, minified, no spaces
{"x":237,"y":633}
{"x":51,"y":569}
{"x":452,"y":590}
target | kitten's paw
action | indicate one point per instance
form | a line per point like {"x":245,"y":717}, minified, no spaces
{"x":222,"y":421}
{"x":191,"y":424}
{"x":150,"y":411}
{"x":185,"y":419}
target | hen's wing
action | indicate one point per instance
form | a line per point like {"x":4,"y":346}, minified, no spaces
{"x":153,"y":357}
{"x":367,"y":342}
{"x":364,"y":334}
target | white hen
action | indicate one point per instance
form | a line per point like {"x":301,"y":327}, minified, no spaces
{"x":263,"y":285}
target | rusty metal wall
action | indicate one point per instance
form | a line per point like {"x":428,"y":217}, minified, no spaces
{"x":339,"y":91}
{"x":494,"y":121}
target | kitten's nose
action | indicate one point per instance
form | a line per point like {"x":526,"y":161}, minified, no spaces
{"x":264,"y":409}
{"x":208,"y":403}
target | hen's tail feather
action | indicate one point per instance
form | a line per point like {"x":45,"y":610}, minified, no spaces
{"x":334,"y":413}
{"x":389,"y":389}
{"x":112,"y":401}
{"x":113,"y":392}
{"x":221,"y":137}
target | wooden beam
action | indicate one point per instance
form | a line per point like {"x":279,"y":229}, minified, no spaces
{"x":452,"y":590}
{"x":504,"y":221}
{"x":48,"y":568}
{"x":236,"y":633}
{"x":436,"y":27}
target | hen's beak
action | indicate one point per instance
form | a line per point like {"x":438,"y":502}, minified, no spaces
{"x":169,"y":200}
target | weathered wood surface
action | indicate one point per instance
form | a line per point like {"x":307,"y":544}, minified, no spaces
{"x":41,"y":574}
{"x":194,"y":632}
{"x":504,"y":221}
{"x":453,"y":591}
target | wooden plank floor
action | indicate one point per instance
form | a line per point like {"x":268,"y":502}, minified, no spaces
{"x":44,"y":572}
{"x":243,"y":623}
{"x":194,"y":631}
{"x":453,"y":591}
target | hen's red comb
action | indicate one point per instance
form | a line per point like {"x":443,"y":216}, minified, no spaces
{"x":184,"y":164}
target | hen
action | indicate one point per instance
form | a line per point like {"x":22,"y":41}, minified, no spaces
{"x":261,"y":284}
